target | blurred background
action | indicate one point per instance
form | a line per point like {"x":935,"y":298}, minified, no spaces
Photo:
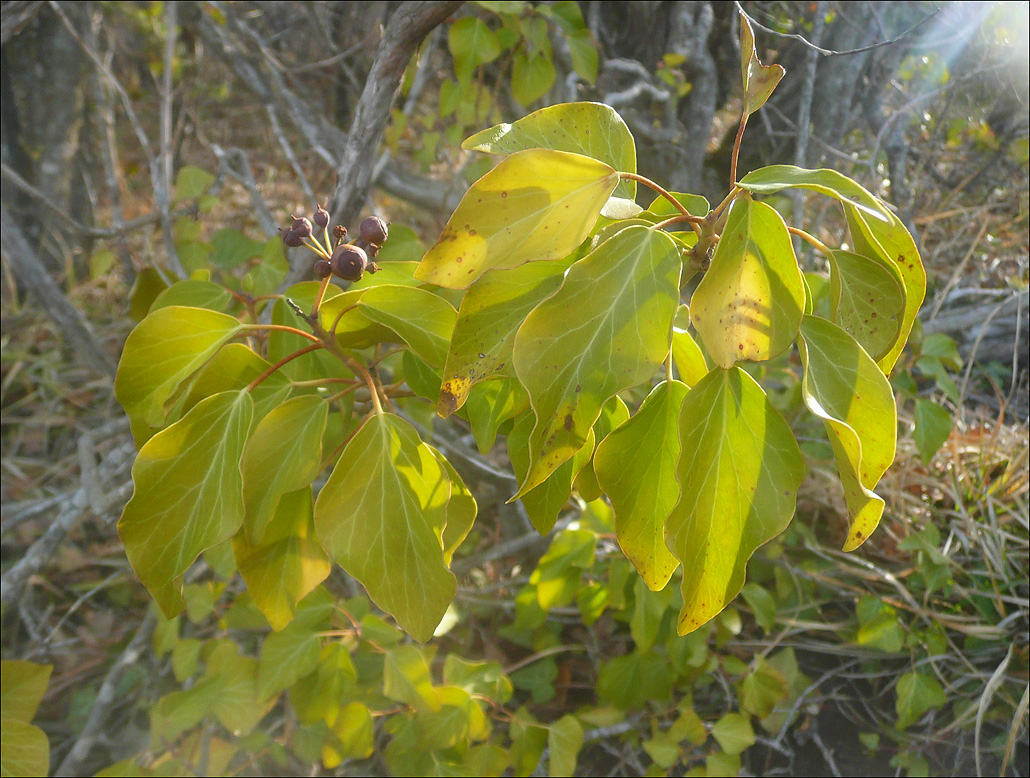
{"x":144,"y":142}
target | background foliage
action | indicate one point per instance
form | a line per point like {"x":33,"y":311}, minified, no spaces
{"x":179,"y":136}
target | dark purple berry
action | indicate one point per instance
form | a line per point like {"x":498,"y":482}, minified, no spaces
{"x":322,"y":268}
{"x":301,"y":226}
{"x":373,"y":230}
{"x":349,"y":262}
{"x":321,"y":217}
{"x":292,"y":239}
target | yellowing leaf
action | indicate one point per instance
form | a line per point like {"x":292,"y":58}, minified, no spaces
{"x":750,"y":302}
{"x":491,"y":312}
{"x":686,"y":354}
{"x":381,"y":516}
{"x":22,"y":686}
{"x":24,"y":749}
{"x":406,"y":678}
{"x":591,"y":129}
{"x":165,"y":349}
{"x":759,"y":80}
{"x":492,"y":403}
{"x":636,"y":468}
{"x":421,"y":319}
{"x":890,"y":241}
{"x":605,"y":330}
{"x":194,"y":293}
{"x":188,"y":494}
{"x":536,"y":205}
{"x":846,"y":389}
{"x":867,"y":300}
{"x":461,"y":510}
{"x":287,"y":563}
{"x":284,"y":454}
{"x":739,"y":472}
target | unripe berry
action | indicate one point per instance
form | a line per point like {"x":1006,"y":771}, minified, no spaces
{"x":349,"y":262}
{"x":321,"y":217}
{"x":323,"y":269}
{"x":373,"y":230}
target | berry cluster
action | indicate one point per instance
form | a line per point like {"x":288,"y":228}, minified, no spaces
{"x":348,"y":261}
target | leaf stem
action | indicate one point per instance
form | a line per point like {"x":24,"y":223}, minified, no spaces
{"x":687,"y":215}
{"x":281,"y":362}
{"x":315,"y":246}
{"x":668,"y":366}
{"x":281,"y":328}
{"x":725,"y":201}
{"x":736,"y":149}
{"x":819,"y":245}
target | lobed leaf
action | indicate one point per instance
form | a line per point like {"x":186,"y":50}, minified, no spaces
{"x":472,"y":44}
{"x":605,"y":330}
{"x":284,"y":454}
{"x":22,"y":688}
{"x":287,"y":563}
{"x":591,"y":129}
{"x":24,"y":749}
{"x":420,"y":318}
{"x":636,"y":468}
{"x":845,"y":388}
{"x":381,"y":516}
{"x":165,"y":349}
{"x":188,"y":494}
{"x":750,"y":302}
{"x":739,"y":472}
{"x":535,"y":205}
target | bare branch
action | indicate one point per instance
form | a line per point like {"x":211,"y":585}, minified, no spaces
{"x":407,"y":27}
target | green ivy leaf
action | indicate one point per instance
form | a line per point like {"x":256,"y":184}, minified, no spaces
{"x":290,"y":654}
{"x":239,"y":705}
{"x":231,"y":248}
{"x":583,"y":52}
{"x":605,"y":330}
{"x":545,"y":501}
{"x":284,"y":454}
{"x":287,"y":563}
{"x":889,"y":241}
{"x":591,"y":129}
{"x":759,"y":80}
{"x":776,"y":178}
{"x":491,"y":312}
{"x":179,"y":711}
{"x":633,"y":680}
{"x":194,"y":293}
{"x":613,"y":414}
{"x":320,"y":695}
{"x":381,"y":516}
{"x":733,"y":732}
{"x":188,"y":494}
{"x":845,"y":388}
{"x":489,"y":405}
{"x":564,"y":739}
{"x":232,"y":368}
{"x":461,"y":510}
{"x":917,"y":694}
{"x":532,"y":76}
{"x":472,"y":44}
{"x":535,"y":205}
{"x":190,"y":183}
{"x":406,"y":679}
{"x":750,"y":302}
{"x":739,"y":474}
{"x":761,"y":690}
{"x":353,"y":727}
{"x":762,"y":605}
{"x":165,"y":349}
{"x":933,"y":428}
{"x":867,"y":299}
{"x":22,"y":687}
{"x":318,"y":364}
{"x":486,"y":679}
{"x":636,"y":468}
{"x":269,"y":271}
{"x":421,"y":319}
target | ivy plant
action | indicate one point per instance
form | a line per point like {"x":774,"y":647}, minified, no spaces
{"x":618,"y":348}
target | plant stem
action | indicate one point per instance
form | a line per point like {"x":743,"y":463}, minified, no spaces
{"x":677,"y":220}
{"x":280,"y":363}
{"x":725,"y":201}
{"x":319,"y":296}
{"x":668,"y":366}
{"x":687,"y":215}
{"x":281,"y":328}
{"x":736,"y":149}
{"x":359,"y":368}
{"x":317,"y":248}
{"x":819,"y":245}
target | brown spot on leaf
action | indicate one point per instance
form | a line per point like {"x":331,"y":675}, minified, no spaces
{"x":568,"y":422}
